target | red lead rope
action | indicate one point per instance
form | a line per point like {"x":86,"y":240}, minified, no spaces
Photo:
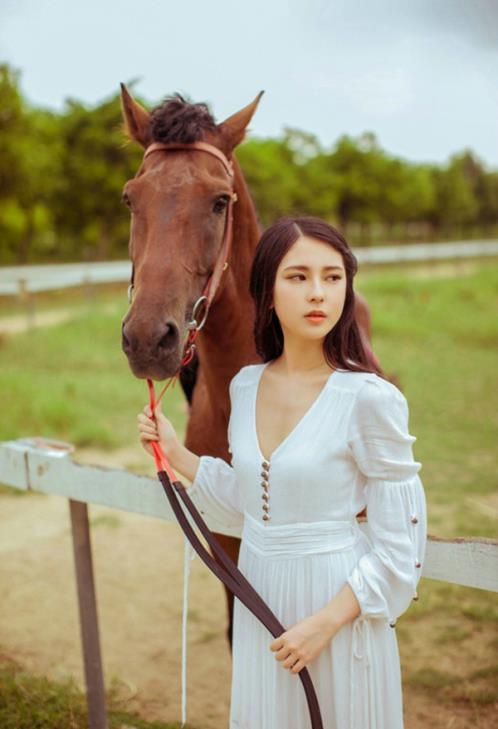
{"x":159,"y":457}
{"x":162,"y":462}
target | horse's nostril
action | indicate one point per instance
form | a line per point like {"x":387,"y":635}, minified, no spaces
{"x":169,"y":340}
{"x":125,"y":341}
{"x":162,"y":341}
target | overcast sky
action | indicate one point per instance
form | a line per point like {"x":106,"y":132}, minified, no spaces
{"x":421,"y":74}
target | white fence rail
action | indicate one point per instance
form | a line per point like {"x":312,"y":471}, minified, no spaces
{"x":21,"y":280}
{"x":468,"y":561}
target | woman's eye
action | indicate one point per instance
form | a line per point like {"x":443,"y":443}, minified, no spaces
{"x":301,"y":275}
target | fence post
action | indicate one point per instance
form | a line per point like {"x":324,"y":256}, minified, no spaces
{"x":89,"y":628}
{"x":28,"y":302}
{"x":88,"y":288}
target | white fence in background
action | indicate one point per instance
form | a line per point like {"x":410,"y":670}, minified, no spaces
{"x":21,"y":280}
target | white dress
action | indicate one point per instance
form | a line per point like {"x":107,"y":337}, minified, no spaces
{"x":351,"y":449}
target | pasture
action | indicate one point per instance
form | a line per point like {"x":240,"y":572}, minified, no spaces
{"x":435,"y":327}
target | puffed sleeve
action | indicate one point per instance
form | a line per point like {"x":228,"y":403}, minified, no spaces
{"x":385,"y":579}
{"x":215,"y":486}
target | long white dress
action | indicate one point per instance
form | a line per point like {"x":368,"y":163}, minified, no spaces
{"x":351,"y":449}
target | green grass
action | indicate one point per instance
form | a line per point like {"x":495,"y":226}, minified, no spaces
{"x":72,"y":382}
{"x":105,"y":520}
{"x":11,"y":491}
{"x":28,"y":701}
{"x":477,"y":689}
{"x":440,"y":337}
{"x":74,"y":298}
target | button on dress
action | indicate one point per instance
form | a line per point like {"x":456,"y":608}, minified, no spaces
{"x":301,"y":543}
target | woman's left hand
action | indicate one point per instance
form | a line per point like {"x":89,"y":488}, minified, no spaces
{"x":302,"y":643}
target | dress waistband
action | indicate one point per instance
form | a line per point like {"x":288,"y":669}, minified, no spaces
{"x":299,"y":539}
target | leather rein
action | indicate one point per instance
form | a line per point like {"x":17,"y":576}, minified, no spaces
{"x":226,"y":570}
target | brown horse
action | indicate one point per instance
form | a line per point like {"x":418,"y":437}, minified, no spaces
{"x":178,"y":202}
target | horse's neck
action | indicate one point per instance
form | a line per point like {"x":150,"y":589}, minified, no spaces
{"x":227,"y":341}
{"x":246,"y":230}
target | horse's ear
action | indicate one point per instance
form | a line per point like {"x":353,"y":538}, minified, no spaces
{"x":136,"y":118}
{"x":233,"y":129}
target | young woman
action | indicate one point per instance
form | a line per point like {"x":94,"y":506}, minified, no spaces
{"x":316,"y":434}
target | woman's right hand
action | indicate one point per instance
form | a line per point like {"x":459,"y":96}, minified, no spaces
{"x":158,"y":429}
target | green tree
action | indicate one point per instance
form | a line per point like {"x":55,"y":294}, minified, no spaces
{"x":91,"y":219}
{"x":456,"y":191}
{"x":271,"y":175}
{"x":29,"y":164}
{"x":61,"y":176}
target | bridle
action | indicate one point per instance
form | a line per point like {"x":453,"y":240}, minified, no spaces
{"x":227,"y":571}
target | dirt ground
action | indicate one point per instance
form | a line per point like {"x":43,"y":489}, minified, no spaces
{"x":138,"y":564}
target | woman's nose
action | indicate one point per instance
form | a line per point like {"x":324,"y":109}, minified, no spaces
{"x":316,"y":290}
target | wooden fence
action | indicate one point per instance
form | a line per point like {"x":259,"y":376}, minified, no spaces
{"x":30,"y":466}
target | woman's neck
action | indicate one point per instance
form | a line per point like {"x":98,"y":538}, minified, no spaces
{"x":301,"y":361}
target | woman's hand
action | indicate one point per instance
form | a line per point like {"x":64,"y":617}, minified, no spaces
{"x":302,"y":643}
{"x":157,"y":428}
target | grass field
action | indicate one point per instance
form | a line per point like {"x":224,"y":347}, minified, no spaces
{"x":436,"y":328}
{"x":34,"y":702}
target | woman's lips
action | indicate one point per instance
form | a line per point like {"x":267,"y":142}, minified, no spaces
{"x":315,"y":317}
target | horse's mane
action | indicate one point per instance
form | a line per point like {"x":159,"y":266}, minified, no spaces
{"x":178,"y":120}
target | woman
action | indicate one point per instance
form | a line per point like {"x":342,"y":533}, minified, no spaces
{"x":316,"y":434}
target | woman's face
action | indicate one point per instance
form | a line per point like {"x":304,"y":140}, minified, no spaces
{"x":311,"y":276}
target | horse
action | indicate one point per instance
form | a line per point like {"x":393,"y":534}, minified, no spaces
{"x":178,"y":203}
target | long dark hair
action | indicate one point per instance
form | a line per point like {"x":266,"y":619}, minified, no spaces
{"x":342,"y":346}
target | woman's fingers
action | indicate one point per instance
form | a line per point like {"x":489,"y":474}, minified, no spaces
{"x":144,"y":422}
{"x":156,"y":428}
{"x":147,"y":427}
{"x":148,"y":431}
{"x":144,"y":418}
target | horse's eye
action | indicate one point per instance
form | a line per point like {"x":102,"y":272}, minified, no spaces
{"x":126,"y":199}
{"x":220,"y":204}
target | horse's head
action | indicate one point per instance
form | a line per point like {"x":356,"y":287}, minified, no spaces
{"x":178,"y":201}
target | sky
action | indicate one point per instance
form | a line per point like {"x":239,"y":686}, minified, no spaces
{"x":421,"y":74}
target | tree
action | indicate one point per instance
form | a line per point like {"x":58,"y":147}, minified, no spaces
{"x":456,"y":186}
{"x":96,"y":163}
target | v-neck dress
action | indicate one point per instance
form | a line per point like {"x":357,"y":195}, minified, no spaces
{"x":301,"y":543}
